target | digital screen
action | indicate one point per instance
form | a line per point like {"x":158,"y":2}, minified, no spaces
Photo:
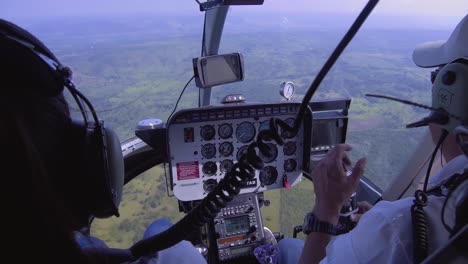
{"x":237,"y":224}
{"x":221,"y":69}
{"x":326,"y":132}
{"x":241,"y":250}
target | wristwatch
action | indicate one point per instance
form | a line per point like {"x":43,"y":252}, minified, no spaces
{"x":313,"y":224}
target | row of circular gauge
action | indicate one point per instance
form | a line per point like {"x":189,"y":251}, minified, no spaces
{"x":226,"y":149}
{"x":268,"y":175}
{"x":210,"y":168}
{"x":245,"y":131}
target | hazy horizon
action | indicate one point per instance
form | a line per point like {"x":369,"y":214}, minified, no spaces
{"x":388,"y":14}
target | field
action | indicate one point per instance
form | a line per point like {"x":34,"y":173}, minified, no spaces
{"x":134,"y":73}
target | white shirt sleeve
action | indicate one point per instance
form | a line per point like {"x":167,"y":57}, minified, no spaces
{"x":383,"y":235}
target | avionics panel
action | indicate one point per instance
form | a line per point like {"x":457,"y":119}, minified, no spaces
{"x":239,"y":228}
{"x":204,"y":143}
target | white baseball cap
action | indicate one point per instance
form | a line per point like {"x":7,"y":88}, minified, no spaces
{"x":437,"y":53}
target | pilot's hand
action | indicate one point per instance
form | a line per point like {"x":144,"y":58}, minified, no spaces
{"x":363,"y":206}
{"x":331,"y":184}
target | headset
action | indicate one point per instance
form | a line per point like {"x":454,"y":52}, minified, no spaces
{"x":450,"y":93}
{"x":449,"y":98}
{"x":37,"y":73}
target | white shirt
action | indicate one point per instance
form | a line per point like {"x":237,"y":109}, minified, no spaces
{"x":385,"y":233}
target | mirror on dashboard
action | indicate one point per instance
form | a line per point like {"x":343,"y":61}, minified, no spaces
{"x":218,"y":69}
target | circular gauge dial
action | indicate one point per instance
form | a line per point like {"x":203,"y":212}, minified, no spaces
{"x":289,"y":148}
{"x":287,"y":90}
{"x":209,"y":168}
{"x":225,"y":131}
{"x":245,"y":132}
{"x":209,"y":185}
{"x":208,"y":151}
{"x":207,"y":132}
{"x":241,"y":152}
{"x":287,"y":134}
{"x":226,"y":149}
{"x":268,"y":175}
{"x":265,"y":126}
{"x":226,"y":165}
{"x":272,"y":157}
{"x":290,"y":165}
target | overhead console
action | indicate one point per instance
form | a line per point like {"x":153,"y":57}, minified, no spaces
{"x":204,"y":143}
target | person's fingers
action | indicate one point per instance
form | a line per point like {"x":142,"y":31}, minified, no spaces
{"x":347,"y":160}
{"x":319,"y":169}
{"x":341,"y":150}
{"x":341,"y":157}
{"x":358,"y":171}
{"x":364,"y":206}
{"x":355,"y":217}
{"x":338,"y":150}
{"x":344,"y":147}
{"x":335,"y":160}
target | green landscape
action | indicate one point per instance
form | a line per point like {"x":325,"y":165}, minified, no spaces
{"x":133,"y":71}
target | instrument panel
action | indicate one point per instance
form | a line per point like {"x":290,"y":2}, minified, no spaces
{"x":204,"y":144}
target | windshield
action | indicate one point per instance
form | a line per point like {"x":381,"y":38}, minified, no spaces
{"x":293,"y":44}
{"x":133,"y":58}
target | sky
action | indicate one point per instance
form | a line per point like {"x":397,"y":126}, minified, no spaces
{"x":79,"y":7}
{"x":446,"y":12}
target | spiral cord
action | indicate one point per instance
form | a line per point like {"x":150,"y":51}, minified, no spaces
{"x":418,"y":216}
{"x":419,"y":226}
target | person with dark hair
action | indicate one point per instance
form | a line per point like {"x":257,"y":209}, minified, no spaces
{"x":71,"y":171}
{"x":34,"y":161}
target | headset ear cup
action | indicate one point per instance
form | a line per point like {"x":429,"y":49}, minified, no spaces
{"x":106,"y":198}
{"x":100,"y":171}
{"x":115,"y":165}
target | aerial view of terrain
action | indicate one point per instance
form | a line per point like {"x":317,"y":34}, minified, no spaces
{"x":134,"y":68}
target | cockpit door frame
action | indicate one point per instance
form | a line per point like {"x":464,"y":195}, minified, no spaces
{"x":214,"y":26}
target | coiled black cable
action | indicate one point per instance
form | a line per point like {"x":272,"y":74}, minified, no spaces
{"x":223,"y":193}
{"x":244,"y":169}
{"x":420,"y":244}
{"x":419,"y":226}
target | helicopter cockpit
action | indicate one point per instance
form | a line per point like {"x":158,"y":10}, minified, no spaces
{"x":236,"y":161}
{"x":204,"y":146}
